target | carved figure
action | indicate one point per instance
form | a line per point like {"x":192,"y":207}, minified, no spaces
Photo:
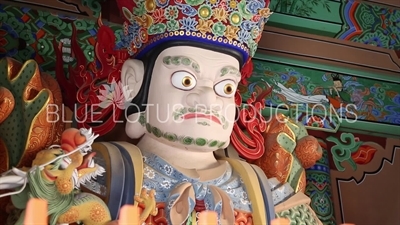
{"x":56,"y":175}
{"x":289,"y":150}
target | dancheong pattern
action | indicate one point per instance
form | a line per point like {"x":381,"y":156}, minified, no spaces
{"x":319,"y":189}
{"x":28,"y":34}
{"x":368,"y":99}
{"x":371,"y":24}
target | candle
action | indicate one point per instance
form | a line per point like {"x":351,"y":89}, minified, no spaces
{"x":129,"y":215}
{"x":36,"y":212}
{"x":280,"y":221}
{"x":208,"y":218}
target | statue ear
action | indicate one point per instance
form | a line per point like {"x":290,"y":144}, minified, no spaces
{"x":132,"y":74}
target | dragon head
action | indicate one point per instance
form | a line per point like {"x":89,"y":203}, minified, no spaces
{"x":69,"y":168}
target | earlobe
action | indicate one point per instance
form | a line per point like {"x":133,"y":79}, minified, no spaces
{"x":132,"y":74}
{"x":134,"y":128}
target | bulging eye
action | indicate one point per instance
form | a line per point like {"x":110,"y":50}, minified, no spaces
{"x":225,"y":88}
{"x":183,"y":80}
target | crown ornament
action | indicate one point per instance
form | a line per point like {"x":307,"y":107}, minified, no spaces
{"x":235,"y":24}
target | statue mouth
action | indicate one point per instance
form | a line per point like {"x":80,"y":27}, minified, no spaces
{"x":88,"y":161}
{"x":202,"y":116}
{"x":88,"y":170}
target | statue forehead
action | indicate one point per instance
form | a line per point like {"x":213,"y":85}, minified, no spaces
{"x":198,"y":59}
{"x":200,"y":55}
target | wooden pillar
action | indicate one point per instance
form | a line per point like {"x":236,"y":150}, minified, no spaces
{"x":319,"y":188}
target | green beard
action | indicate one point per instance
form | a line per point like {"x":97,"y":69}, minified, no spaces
{"x":185,"y":140}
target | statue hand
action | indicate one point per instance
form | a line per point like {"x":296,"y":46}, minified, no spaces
{"x":149,"y":201}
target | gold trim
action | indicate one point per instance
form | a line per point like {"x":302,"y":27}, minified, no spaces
{"x":252,"y":184}
{"x":35,"y":118}
{"x":303,"y":173}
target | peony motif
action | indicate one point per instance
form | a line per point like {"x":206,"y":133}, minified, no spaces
{"x":220,"y":14}
{"x":231,"y":32}
{"x":265,"y":12}
{"x":204,"y":26}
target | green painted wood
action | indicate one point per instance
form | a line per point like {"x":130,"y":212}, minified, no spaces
{"x":325,"y":67}
{"x":320,"y":17}
{"x":306,"y":25}
{"x":352,"y":20}
{"x":323,"y":10}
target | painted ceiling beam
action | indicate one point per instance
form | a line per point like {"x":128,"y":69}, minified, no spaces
{"x":343,"y":56}
{"x":367,"y":22}
{"x":312,"y":56}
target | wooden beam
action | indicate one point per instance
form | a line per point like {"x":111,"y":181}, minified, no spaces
{"x":330,"y":51}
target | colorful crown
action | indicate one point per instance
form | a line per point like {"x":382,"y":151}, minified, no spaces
{"x":235,"y":24}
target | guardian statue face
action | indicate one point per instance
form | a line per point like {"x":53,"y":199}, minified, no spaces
{"x":191,"y":98}
{"x":185,"y":66}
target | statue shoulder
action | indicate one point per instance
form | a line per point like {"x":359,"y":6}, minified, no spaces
{"x":132,"y":159}
{"x":231,"y":155}
{"x":123,"y":163}
{"x":257,"y":187}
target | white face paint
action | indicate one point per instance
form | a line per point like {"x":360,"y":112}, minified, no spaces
{"x":191,"y":98}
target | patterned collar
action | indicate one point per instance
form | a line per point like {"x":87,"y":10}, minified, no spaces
{"x":221,"y":194}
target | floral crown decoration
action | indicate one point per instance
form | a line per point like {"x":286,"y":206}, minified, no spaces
{"x":235,"y":24}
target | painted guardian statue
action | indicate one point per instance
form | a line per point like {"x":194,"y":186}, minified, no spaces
{"x":178,"y":76}
{"x":179,"y":73}
{"x":182,"y":78}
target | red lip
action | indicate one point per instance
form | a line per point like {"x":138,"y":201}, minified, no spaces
{"x":51,"y":177}
{"x":201,"y":115}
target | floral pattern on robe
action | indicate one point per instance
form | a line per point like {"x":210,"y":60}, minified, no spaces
{"x":164,"y":179}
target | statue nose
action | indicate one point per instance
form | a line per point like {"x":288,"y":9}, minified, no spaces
{"x":204,"y":97}
{"x":207,"y":97}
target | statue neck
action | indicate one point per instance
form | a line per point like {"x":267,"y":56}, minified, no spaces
{"x":178,"y":156}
